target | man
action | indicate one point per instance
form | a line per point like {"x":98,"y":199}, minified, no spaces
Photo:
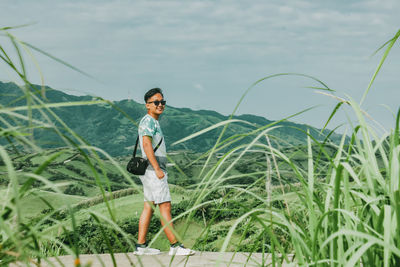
{"x":155,"y":183}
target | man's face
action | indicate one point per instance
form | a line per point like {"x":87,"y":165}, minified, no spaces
{"x":151,"y":104}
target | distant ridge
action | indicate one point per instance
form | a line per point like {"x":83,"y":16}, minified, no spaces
{"x":110,"y":130}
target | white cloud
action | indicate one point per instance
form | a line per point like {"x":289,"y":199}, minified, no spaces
{"x":199,"y":87}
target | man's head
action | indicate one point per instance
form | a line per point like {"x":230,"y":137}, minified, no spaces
{"x":152,"y":92}
{"x":155,"y":102}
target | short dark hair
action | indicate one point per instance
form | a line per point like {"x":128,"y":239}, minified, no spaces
{"x":152,"y":92}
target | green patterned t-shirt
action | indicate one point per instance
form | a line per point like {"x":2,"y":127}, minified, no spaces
{"x":149,"y":126}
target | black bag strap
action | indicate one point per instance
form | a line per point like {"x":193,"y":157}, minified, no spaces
{"x":134,"y":151}
{"x":155,"y":149}
{"x":157,"y":146}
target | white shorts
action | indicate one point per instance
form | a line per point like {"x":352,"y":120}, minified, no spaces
{"x":155,"y":189}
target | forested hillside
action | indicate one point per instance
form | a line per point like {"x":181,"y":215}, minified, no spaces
{"x":114,"y":130}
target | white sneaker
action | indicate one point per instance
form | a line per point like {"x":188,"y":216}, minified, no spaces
{"x":144,"y":250}
{"x":180,"y":250}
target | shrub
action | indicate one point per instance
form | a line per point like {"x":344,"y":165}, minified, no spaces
{"x":93,"y":235}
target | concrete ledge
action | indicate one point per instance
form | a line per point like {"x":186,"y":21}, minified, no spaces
{"x":197,"y":260}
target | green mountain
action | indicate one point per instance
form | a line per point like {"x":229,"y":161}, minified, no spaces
{"x":107,"y":127}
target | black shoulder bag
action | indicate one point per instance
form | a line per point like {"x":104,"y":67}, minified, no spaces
{"x":138,"y":165}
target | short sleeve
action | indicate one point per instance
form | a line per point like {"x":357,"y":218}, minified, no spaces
{"x":147,"y":127}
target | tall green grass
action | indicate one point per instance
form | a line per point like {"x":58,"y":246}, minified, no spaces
{"x":344,"y":210}
{"x":347,"y":217}
{"x":30,"y":242}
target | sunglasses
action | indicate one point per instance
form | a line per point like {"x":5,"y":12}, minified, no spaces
{"x":157,"y":102}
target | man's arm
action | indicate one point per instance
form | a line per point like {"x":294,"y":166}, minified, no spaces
{"x":148,"y":149}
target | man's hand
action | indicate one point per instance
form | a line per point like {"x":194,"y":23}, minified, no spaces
{"x":160,"y":174}
{"x":148,"y":149}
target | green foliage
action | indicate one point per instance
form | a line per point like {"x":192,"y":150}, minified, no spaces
{"x":342,"y":211}
{"x":74,"y":190}
{"x":91,"y":235}
{"x":27,"y":125}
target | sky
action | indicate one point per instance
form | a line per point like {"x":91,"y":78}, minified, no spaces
{"x":205,"y":54}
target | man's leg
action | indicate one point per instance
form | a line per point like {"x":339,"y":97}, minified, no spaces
{"x":165,"y":212}
{"x":176,"y":248}
{"x":144,"y":222}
